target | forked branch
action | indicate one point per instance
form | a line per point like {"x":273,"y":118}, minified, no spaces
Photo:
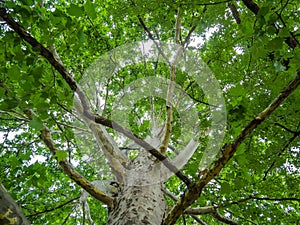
{"x":192,"y":193}
{"x":69,"y":170}
{"x":67,"y":76}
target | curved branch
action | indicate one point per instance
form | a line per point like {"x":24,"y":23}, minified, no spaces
{"x":280,"y":153}
{"x":223,"y":219}
{"x":54,"y":208}
{"x":201,"y":210}
{"x":190,"y":213}
{"x":117,"y":160}
{"x":192,"y":193}
{"x":67,"y":76}
{"x":285,"y":128}
{"x":69,"y":170}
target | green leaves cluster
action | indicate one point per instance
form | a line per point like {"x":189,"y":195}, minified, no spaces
{"x":252,"y":61}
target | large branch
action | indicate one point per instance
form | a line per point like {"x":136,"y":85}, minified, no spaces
{"x":169,"y":101}
{"x":192,"y":193}
{"x":117,"y":160}
{"x":46,"y":137}
{"x":128,"y":133}
{"x":69,"y":170}
{"x":74,"y":86}
{"x":55,"y":61}
{"x":212,"y":210}
{"x":227,"y":151}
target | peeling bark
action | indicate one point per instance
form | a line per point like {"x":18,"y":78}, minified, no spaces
{"x":138,"y":205}
{"x":142,"y":199}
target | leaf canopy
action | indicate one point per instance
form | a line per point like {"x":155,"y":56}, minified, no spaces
{"x":253,"y":61}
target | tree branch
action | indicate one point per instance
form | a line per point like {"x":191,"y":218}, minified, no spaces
{"x":287,"y":129}
{"x":67,"y":76}
{"x":69,"y":170}
{"x":208,"y":3}
{"x":149,"y":34}
{"x":188,"y":37}
{"x":252,"y":197}
{"x":234,"y":12}
{"x":198,"y":220}
{"x":54,"y":59}
{"x":117,"y":160}
{"x":223,"y":219}
{"x":281,"y":152}
{"x":54,"y":208}
{"x":201,"y":210}
{"x":193,"y":210}
{"x":192,"y":193}
{"x":296,"y":134}
{"x":253,"y":7}
{"x":169,"y":103}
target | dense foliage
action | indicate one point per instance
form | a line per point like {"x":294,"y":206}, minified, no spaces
{"x":252,"y":50}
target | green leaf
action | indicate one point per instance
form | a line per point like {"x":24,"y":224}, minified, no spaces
{"x":61,"y":155}
{"x":263,"y":11}
{"x":225,"y":188}
{"x":238,"y":90}
{"x":37,"y":72}
{"x":2,"y":92}
{"x":279,"y":67}
{"x":241,"y":159}
{"x":8,"y":104}
{"x":246,"y":27}
{"x":14,"y":73}
{"x":284,"y":32}
{"x":89,"y":8}
{"x":80,"y":36}
{"x":271,"y":30}
{"x":36,"y":123}
{"x":75,"y":10}
{"x":14,"y":161}
{"x":258,"y":52}
{"x":275,"y":44}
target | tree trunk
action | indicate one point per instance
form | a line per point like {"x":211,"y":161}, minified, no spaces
{"x":141,"y":200}
{"x":10,"y":213}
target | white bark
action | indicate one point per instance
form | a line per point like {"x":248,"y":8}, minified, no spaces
{"x":142,"y":199}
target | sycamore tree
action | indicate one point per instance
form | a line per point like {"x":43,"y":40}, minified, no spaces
{"x":149,"y":112}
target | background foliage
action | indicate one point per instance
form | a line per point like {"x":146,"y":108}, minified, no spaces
{"x":250,"y":59}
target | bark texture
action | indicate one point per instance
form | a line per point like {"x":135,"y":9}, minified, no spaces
{"x":10,"y":213}
{"x":141,"y":200}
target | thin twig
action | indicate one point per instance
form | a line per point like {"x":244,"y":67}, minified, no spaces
{"x":54,"y":208}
